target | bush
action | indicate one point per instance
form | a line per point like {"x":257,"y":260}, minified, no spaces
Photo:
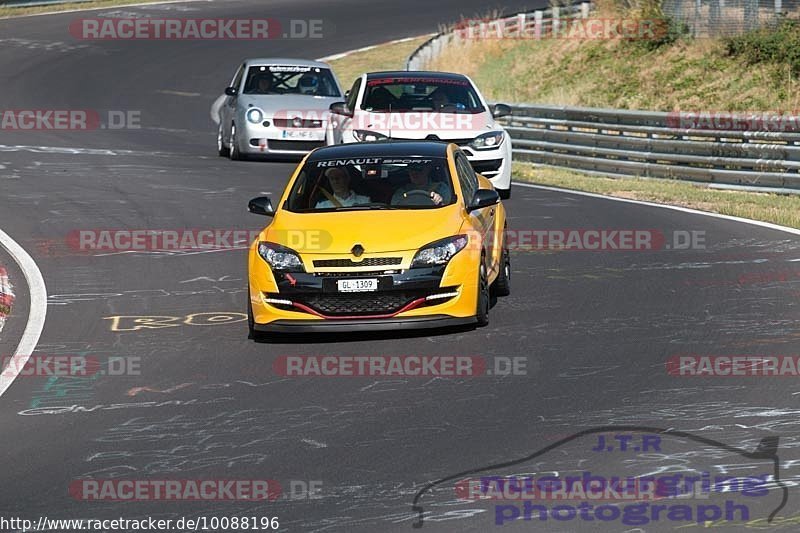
{"x":779,"y":45}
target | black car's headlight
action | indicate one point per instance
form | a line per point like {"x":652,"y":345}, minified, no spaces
{"x":254,"y":115}
{"x":487,"y":141}
{"x":280,"y":258}
{"x":439,"y":252}
{"x":368,"y":136}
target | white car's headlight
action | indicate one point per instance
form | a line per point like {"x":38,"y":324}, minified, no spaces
{"x":254,"y":115}
{"x":439,"y":252}
{"x":487,"y":140}
{"x":280,"y":258}
{"x":368,"y":136}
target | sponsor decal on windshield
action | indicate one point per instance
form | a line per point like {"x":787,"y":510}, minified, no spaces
{"x":432,"y":81}
{"x":346,"y":162}
{"x":291,"y":68}
{"x":372,"y":161}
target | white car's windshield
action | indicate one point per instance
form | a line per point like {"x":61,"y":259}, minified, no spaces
{"x":442,"y":95}
{"x":290,"y":79}
{"x":372,"y":183}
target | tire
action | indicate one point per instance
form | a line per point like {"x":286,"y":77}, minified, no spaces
{"x":505,"y":194}
{"x":484,"y":297}
{"x":234,"y":152}
{"x":502,"y":285}
{"x":222,"y":151}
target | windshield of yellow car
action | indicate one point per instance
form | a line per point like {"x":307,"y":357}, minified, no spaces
{"x":372,"y":183}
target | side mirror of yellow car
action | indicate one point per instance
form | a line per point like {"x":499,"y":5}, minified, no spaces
{"x":483,"y":198}
{"x":261,"y":205}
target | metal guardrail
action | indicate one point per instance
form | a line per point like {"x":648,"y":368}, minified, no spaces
{"x":528,"y":25}
{"x":648,"y":144}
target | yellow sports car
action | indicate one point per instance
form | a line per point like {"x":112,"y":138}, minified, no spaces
{"x":381,"y":235}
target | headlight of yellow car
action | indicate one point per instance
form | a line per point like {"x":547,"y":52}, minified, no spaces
{"x":280,"y":258}
{"x":439,"y":252}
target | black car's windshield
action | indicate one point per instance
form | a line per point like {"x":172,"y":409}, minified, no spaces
{"x":290,"y":79}
{"x":372,"y":183}
{"x":441,"y":95}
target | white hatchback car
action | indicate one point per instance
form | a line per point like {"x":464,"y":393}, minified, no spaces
{"x":415,"y":105}
{"x":276,"y":107}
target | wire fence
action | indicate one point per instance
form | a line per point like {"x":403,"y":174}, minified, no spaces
{"x":719,"y":18}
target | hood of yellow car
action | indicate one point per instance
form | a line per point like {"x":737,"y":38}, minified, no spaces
{"x":377,"y":231}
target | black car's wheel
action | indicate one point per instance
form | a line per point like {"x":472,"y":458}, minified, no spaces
{"x":502,"y":285}
{"x":235,"y":154}
{"x":484,"y":298}
{"x":222,"y":151}
{"x":505,"y":194}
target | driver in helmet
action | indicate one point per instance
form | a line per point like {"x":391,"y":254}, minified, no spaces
{"x":419,"y":175}
{"x":308,"y":83}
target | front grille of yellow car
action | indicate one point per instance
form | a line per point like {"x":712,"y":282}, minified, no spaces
{"x":368,"y":262}
{"x":372,"y":303}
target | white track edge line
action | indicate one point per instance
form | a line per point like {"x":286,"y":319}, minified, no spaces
{"x":36,"y":313}
{"x":334,"y":57}
{"x":750,"y":221}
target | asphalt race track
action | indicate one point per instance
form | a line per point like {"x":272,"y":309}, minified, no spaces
{"x":595,"y":328}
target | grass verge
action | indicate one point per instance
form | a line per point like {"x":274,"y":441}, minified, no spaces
{"x":390,"y":56}
{"x":767,"y":207}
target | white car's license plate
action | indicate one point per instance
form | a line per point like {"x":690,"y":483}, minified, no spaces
{"x":308,"y":135}
{"x":357,"y":285}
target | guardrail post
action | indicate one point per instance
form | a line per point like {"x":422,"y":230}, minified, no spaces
{"x":499,"y":28}
{"x":778,"y":6}
{"x":585,"y":10}
{"x":521,"y":22}
{"x":537,"y":24}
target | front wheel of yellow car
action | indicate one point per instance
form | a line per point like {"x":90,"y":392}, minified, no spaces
{"x":502,"y":285}
{"x":484,"y":297}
